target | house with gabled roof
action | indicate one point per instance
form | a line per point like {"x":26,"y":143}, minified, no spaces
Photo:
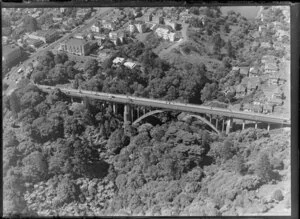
{"x":274,"y":95}
{"x":268,"y":108}
{"x":253,"y":72}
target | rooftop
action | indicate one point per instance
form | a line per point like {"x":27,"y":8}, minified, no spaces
{"x":75,"y":41}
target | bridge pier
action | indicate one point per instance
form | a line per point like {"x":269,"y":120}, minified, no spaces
{"x":268,"y":126}
{"x":243,"y":125}
{"x":223,"y":123}
{"x":114,"y":107}
{"x":210,"y":118}
{"x":132,"y":114}
{"x":255,"y":125}
{"x":217,"y":121}
{"x":228,"y":125}
{"x":127,"y":114}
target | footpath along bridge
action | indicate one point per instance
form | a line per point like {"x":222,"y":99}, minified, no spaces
{"x":205,"y":111}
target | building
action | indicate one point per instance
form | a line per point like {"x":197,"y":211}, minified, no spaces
{"x":247,"y":107}
{"x":117,"y":37}
{"x":274,"y":95}
{"x":118,"y":61}
{"x":229,"y":90}
{"x":244,"y":71}
{"x":46,"y":36}
{"x":262,"y":28}
{"x":268,"y":108}
{"x":34,"y":43}
{"x":268,"y":58}
{"x":76,"y":47}
{"x":96,"y":28}
{"x":108,"y":25}
{"x":277,"y":78}
{"x":130,"y":65}
{"x":270,"y":68}
{"x":235,"y":69}
{"x":253,"y":72}
{"x":148,"y":17}
{"x":62,"y":10}
{"x":257,"y":108}
{"x":141,"y":27}
{"x":132,"y":28}
{"x":165,"y":33}
{"x":10,"y":54}
{"x":4,"y":40}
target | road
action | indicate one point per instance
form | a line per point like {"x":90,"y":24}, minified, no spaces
{"x":13,"y":73}
{"x":172,"y":105}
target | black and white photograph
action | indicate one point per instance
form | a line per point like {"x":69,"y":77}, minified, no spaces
{"x":146,"y":111}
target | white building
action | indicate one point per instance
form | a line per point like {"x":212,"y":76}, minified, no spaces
{"x":165,"y":33}
{"x":130,"y":65}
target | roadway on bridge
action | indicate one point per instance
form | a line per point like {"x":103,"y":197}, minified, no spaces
{"x":176,"y":106}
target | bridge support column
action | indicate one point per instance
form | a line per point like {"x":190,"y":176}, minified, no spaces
{"x":126,"y":113}
{"x":114,"y":107}
{"x":228,"y":125}
{"x":243,"y":125}
{"x":210,"y":118}
{"x":268,"y":126}
{"x":138,"y":112}
{"x":144,"y":110}
{"x":223,"y":125}
{"x":255,"y":125}
{"x":132,"y":115}
{"x":217,"y":121}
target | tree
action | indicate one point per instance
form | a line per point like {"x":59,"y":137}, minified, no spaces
{"x":60,"y":58}
{"x":226,"y":150}
{"x":13,"y":193}
{"x":230,"y":50}
{"x":34,"y":167}
{"x":226,"y":28}
{"x":30,"y":24}
{"x":117,"y":141}
{"x":263,"y":167}
{"x":209,"y":92}
{"x":14,"y":103}
{"x":90,"y":67}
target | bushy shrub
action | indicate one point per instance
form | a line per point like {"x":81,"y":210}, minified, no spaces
{"x":277,"y":195}
{"x":277,"y":164}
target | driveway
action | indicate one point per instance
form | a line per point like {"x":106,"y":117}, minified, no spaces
{"x":184,"y":39}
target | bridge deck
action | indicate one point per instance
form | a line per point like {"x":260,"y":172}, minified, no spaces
{"x":172,"y":105}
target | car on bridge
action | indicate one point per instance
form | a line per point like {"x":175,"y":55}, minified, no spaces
{"x":111,"y":96}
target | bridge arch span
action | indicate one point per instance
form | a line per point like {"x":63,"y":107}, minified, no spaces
{"x":151,"y":113}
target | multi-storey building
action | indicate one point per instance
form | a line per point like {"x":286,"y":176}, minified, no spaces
{"x":47,"y":36}
{"x":76,"y":46}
